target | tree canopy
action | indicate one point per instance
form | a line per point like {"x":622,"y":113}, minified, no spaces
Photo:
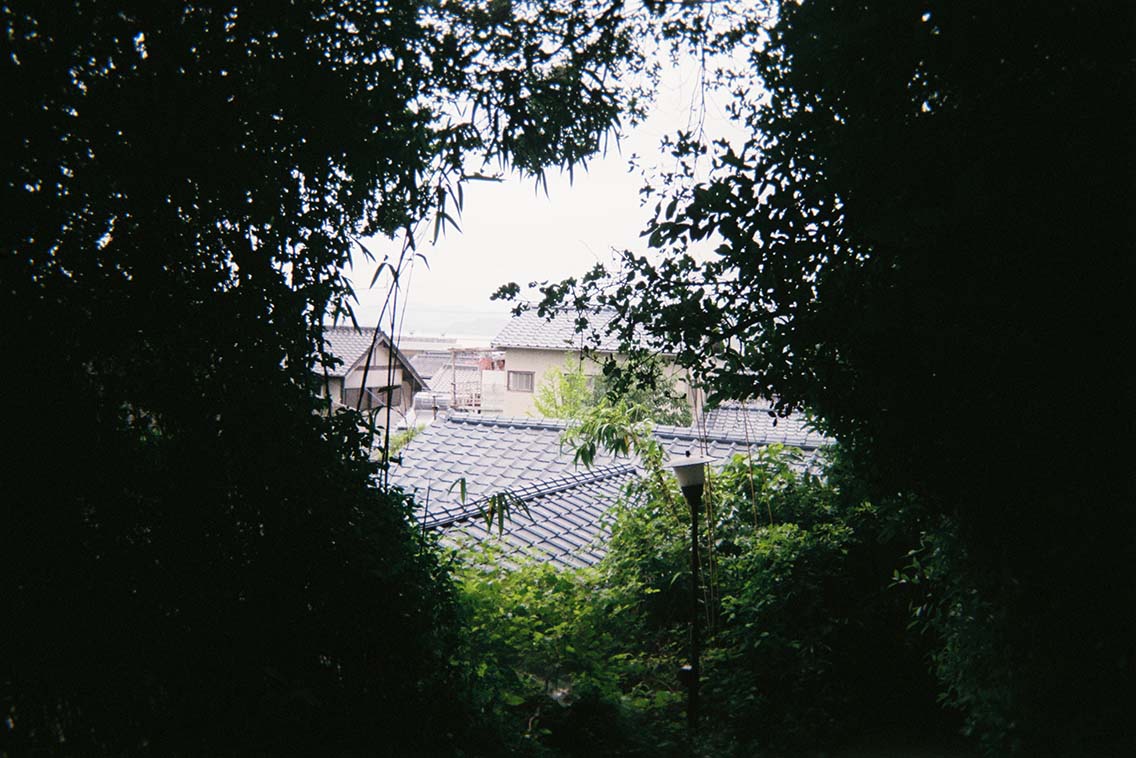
{"x":194,"y":559}
{"x":925,"y":240}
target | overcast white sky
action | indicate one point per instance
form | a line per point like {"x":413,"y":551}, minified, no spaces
{"x":510,"y":231}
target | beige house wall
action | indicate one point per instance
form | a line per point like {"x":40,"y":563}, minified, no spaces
{"x":376,"y":377}
{"x":538,"y":362}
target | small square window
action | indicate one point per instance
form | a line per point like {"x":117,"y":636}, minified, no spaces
{"x":521,"y":381}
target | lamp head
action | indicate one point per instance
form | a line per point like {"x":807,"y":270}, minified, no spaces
{"x":689,"y":470}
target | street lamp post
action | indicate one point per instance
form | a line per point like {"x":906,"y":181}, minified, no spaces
{"x":691,"y":475}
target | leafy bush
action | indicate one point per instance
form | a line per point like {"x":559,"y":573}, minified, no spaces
{"x":230,"y":589}
{"x":804,"y":641}
{"x":544,"y":660}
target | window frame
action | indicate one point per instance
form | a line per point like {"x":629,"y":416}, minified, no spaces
{"x":509,"y":383}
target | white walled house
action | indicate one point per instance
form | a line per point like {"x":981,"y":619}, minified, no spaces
{"x":533,"y":345}
{"x":525,"y":369}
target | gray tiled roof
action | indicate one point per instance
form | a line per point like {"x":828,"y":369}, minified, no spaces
{"x":753,"y":420}
{"x":491,"y":453}
{"x":722,"y":446}
{"x":524,"y":456}
{"x":349,"y":345}
{"x":530,"y":330}
{"x":564,"y":520}
{"x":428,"y":362}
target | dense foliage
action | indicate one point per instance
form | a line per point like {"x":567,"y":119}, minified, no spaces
{"x":647,"y":385}
{"x":193,"y":559}
{"x":804,"y":639}
{"x":925,"y":239}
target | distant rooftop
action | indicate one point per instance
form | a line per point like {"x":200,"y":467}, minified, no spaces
{"x":350,"y":345}
{"x":532,"y":331}
{"x":428,"y":362}
{"x":463,"y":376}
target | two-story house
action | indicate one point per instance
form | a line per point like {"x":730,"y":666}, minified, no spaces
{"x":532,"y":345}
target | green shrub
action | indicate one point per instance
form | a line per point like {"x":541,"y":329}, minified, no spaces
{"x":804,"y":638}
{"x":543,"y":660}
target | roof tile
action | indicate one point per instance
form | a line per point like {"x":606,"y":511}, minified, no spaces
{"x":349,"y":345}
{"x":531,"y":330}
{"x":566,"y":503}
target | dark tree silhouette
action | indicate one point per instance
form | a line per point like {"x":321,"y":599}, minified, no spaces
{"x":194,"y":560}
{"x":927,"y":241}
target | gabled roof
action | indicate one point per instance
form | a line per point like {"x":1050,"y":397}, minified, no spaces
{"x":524,"y":457}
{"x":350,"y":345}
{"x":532,"y":331}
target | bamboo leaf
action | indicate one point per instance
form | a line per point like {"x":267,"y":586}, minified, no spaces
{"x":460,"y":482}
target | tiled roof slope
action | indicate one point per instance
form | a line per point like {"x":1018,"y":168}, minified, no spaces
{"x":752,"y":420}
{"x":530,"y":330}
{"x":427,"y":363}
{"x":563,"y":524}
{"x":491,"y":453}
{"x":349,"y":345}
{"x":495,"y":453}
{"x":524,"y":456}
